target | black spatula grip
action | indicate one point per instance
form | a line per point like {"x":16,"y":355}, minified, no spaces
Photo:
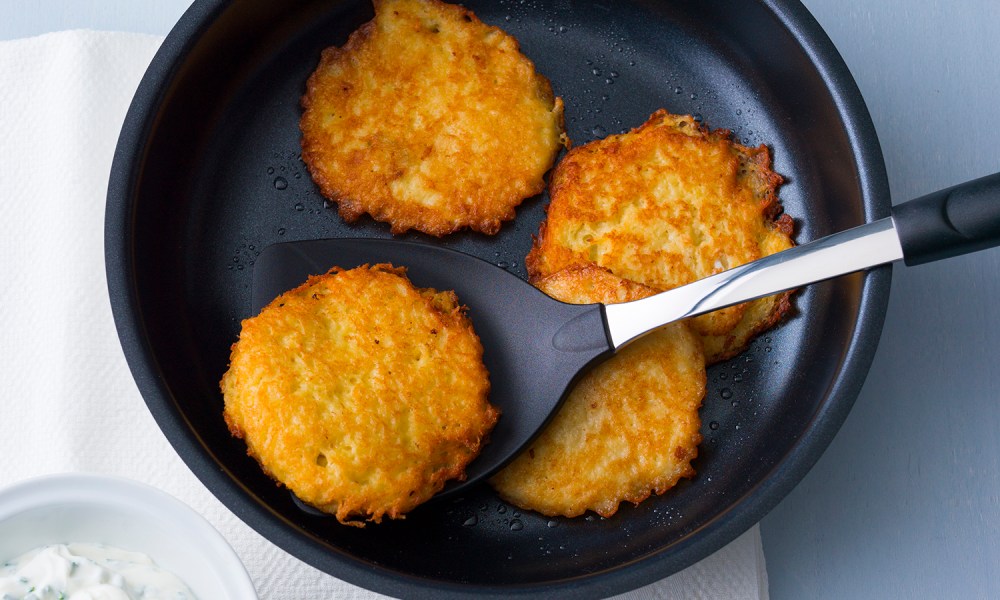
{"x":958,"y":220}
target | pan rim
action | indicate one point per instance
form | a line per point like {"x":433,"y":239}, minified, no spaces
{"x":127,"y":166}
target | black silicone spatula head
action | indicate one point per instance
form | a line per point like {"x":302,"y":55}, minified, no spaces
{"x":534,"y":346}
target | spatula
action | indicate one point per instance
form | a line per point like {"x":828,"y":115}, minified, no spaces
{"x":535,"y":347}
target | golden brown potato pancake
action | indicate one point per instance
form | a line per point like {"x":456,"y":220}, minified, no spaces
{"x":666,"y":204}
{"x":628,"y":428}
{"x":429,"y":119}
{"x":360,"y":392}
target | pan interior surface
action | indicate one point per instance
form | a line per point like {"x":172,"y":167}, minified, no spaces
{"x":209,"y":174}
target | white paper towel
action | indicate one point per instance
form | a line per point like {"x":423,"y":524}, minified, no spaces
{"x":68,"y":400}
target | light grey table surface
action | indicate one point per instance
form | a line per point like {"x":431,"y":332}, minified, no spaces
{"x":906,"y":501}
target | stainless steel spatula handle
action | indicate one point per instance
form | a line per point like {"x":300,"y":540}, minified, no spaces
{"x":954,"y":221}
{"x":853,"y":250}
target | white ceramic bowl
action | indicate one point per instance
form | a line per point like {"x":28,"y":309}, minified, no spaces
{"x":126,"y":514}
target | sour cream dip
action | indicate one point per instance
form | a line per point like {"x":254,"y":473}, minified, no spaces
{"x":87,"y":572}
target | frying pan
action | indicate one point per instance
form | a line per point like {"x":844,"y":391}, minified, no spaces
{"x":207,"y":174}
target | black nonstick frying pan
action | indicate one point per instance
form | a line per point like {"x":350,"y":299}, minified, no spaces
{"x":207,"y":174}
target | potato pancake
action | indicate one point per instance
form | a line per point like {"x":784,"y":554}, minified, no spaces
{"x":360,"y":392}
{"x":664,"y":205}
{"x":628,"y":428}
{"x":429,"y":119}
